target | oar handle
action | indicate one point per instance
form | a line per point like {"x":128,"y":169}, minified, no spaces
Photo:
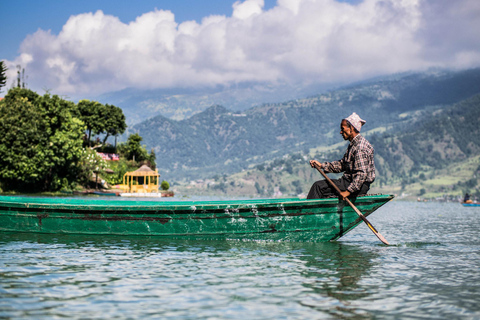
{"x":327,"y":178}
{"x":334,"y":186}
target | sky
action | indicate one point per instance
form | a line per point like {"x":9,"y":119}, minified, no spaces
{"x":91,"y":47}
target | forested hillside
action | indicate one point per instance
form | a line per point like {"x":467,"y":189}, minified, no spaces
{"x":432,"y":155}
{"x":220,"y":141}
{"x":430,"y":143}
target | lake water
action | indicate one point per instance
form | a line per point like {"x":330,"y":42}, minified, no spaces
{"x":432,"y":271}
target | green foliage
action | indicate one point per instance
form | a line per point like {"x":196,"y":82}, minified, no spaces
{"x":101,"y":119}
{"x":259,"y":189}
{"x":298,"y":186}
{"x":91,"y":162}
{"x":113,"y":120}
{"x":91,"y":113}
{"x":152,"y":159}
{"x":165,"y":185}
{"x":133,"y":150}
{"x":17,"y":93}
{"x":431,"y":142}
{"x":3,"y":77}
{"x":222,"y":186}
{"x":40,"y":142}
{"x":119,"y":169}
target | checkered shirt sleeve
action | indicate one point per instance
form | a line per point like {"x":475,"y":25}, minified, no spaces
{"x":357,"y":164}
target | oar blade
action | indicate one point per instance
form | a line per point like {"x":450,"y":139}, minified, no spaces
{"x":379,"y":236}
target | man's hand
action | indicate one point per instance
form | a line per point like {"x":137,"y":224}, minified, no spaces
{"x":344,"y":194}
{"x":313,"y":162}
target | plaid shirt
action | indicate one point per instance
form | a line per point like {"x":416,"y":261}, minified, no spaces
{"x":357,"y":164}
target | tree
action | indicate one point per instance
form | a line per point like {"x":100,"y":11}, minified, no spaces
{"x":3,"y":77}
{"x":133,"y":150}
{"x":113,"y":120}
{"x":259,"y":189}
{"x":92,"y":114}
{"x":15,"y":94}
{"x":152,"y":159}
{"x":40,"y":142}
{"x":101,"y":119}
{"x":165,"y":185}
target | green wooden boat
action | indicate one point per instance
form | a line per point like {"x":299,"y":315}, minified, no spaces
{"x":256,"y":219}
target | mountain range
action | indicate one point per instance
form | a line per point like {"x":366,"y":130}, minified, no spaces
{"x":222,"y":140}
{"x":434,"y":155}
{"x":182,"y":103}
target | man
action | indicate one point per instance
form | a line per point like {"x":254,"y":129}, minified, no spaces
{"x":357,"y":164}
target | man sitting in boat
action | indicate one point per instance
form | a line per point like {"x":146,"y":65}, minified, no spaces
{"x":357,"y":164}
{"x":467,"y":199}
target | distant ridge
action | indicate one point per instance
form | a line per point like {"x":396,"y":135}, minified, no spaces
{"x":219,"y":140}
{"x":181,"y":103}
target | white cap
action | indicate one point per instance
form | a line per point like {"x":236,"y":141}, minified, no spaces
{"x":355,"y":121}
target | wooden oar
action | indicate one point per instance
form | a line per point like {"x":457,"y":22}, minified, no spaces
{"x":379,"y":236}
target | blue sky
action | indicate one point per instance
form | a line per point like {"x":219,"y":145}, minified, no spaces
{"x":23,"y":17}
{"x":69,"y":47}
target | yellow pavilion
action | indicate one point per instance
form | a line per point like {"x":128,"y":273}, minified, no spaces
{"x":142,"y":180}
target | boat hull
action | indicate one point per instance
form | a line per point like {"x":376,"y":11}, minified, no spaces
{"x":262,"y":219}
{"x":471,"y":204}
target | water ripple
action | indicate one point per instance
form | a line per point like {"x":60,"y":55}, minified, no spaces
{"x":430,"y":272}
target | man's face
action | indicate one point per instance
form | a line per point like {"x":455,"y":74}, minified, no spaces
{"x":346,"y":130}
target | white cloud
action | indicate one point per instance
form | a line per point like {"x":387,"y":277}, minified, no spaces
{"x":244,"y":10}
{"x":296,"y":41}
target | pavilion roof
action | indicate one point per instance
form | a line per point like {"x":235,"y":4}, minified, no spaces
{"x":143,"y":171}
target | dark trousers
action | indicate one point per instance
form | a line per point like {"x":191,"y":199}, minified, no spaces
{"x":322,"y":189}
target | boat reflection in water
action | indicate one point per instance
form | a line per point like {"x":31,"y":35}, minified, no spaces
{"x":324,"y":277}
